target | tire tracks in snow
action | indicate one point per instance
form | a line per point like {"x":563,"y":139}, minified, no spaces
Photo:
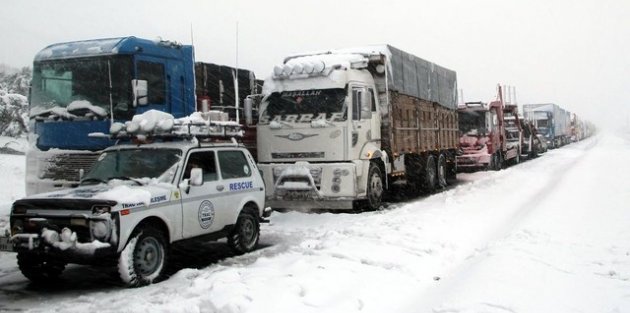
{"x":436,"y":298}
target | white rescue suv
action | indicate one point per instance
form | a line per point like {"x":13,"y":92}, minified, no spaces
{"x":139,"y":198}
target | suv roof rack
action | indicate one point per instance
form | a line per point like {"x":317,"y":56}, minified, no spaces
{"x":159,"y":125}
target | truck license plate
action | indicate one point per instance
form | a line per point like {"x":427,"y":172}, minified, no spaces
{"x":5,"y":244}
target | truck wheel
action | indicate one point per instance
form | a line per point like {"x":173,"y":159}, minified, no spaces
{"x":244,"y":236}
{"x":441,"y":171}
{"x":430,"y":175}
{"x":494,"y":162}
{"x":144,"y":258}
{"x":39,"y":269}
{"x":374,"y":188}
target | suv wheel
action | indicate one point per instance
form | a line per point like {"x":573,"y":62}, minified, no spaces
{"x":143,"y":259}
{"x":244,"y":237}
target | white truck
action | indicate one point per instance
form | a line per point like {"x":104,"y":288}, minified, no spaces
{"x":338,"y":129}
{"x":139,"y":198}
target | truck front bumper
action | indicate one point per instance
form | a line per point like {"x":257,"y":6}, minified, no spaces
{"x":479,"y":160}
{"x":306,"y":186}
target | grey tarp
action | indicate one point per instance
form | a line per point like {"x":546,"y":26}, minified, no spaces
{"x":416,"y":77}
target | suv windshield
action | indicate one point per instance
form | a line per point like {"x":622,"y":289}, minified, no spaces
{"x":57,"y":83}
{"x":306,"y":105}
{"x":134,"y":164}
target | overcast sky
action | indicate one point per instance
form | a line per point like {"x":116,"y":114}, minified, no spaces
{"x":573,"y":53}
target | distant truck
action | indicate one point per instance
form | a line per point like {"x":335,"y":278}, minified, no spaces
{"x":84,"y":87}
{"x":482,"y":141}
{"x":482,"y":137}
{"x":338,"y":129}
{"x":551,"y":121}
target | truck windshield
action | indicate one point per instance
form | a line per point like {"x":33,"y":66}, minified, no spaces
{"x":57,"y":83}
{"x":472,"y":123}
{"x":133,"y":164}
{"x":512,"y":134}
{"x":306,"y":105}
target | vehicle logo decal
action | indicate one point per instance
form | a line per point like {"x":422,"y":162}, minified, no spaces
{"x":296,"y":136}
{"x":206,"y":214}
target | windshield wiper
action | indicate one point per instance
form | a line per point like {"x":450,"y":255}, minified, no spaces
{"x":125,"y":178}
{"x":93,"y":179}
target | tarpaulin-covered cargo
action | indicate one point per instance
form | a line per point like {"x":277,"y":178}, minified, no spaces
{"x":416,"y":77}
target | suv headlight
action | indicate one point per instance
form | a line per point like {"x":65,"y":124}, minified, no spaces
{"x":101,"y":209}
{"x":101,"y":230}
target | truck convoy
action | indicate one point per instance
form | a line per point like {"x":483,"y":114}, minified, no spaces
{"x":338,"y":129}
{"x":139,"y":198}
{"x":83,"y":87}
{"x":553,"y":122}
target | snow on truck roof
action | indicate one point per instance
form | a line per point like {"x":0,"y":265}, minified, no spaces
{"x":105,"y":46}
{"x":408,"y":74}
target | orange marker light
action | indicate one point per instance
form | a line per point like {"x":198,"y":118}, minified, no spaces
{"x":125,"y":212}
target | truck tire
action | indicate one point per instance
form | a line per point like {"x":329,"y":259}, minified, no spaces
{"x":39,"y":269}
{"x":430,"y":175}
{"x":494,"y":162}
{"x":244,"y":236}
{"x":144,"y":258}
{"x":441,"y":172}
{"x":374,"y":191}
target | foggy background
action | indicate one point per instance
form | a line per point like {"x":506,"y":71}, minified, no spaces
{"x":573,"y":53}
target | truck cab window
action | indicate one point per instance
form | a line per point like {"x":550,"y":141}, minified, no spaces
{"x":153,"y":73}
{"x":372,"y":99}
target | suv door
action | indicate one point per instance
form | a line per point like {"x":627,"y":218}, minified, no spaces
{"x":238,"y":179}
{"x":202,"y":205}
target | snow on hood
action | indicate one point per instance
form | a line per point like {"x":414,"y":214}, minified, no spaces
{"x":127,"y":196}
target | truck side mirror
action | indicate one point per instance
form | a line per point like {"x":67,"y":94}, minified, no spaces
{"x":140,"y":88}
{"x":248,"y":105}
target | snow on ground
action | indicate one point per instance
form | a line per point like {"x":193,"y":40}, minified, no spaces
{"x":548,"y":235}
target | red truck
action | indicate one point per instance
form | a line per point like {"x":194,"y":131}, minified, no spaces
{"x":490,"y":135}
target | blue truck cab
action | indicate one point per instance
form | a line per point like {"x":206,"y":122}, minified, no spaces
{"x":82,"y":87}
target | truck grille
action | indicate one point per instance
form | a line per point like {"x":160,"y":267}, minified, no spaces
{"x":66,"y":166}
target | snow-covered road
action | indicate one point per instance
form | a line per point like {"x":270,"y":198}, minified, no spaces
{"x":548,"y":235}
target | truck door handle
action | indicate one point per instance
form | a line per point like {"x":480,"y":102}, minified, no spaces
{"x":220,"y":187}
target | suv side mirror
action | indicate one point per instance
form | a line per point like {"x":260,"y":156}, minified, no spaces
{"x":140,"y":90}
{"x":196,"y":177}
